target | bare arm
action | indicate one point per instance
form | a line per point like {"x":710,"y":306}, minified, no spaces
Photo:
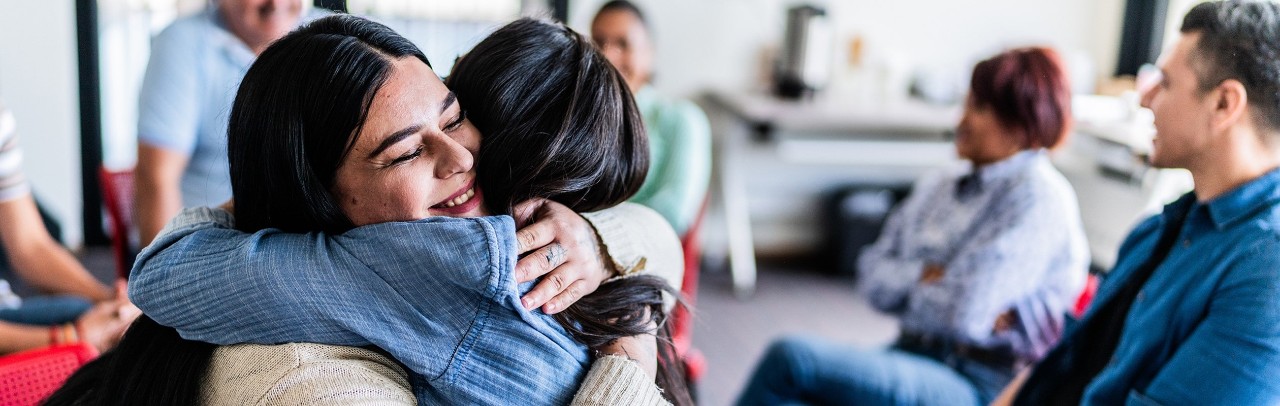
{"x":101,"y":327}
{"x":20,"y":337}
{"x":1010,"y":391}
{"x":39,"y":259}
{"x":157,"y":196}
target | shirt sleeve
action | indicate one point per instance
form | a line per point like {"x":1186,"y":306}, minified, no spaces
{"x":638,"y":240}
{"x":885,"y":275}
{"x":1233,"y":356}
{"x":168,"y":101}
{"x":685,"y":169}
{"x":616,"y":380}
{"x":365,"y":286}
{"x":13,"y":183}
{"x":1006,"y":259}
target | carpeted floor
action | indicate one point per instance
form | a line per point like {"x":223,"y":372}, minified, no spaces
{"x":789,"y":299}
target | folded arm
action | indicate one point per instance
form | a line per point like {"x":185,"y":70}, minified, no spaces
{"x":885,"y":274}
{"x":1004,"y":263}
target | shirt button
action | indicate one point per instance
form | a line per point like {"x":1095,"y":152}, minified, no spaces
{"x":1141,"y":295}
{"x":1186,"y":243}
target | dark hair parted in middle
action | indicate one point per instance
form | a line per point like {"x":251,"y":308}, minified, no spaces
{"x":1027,"y":89}
{"x":558,"y":121}
{"x":310,"y":113}
{"x":296,"y":115}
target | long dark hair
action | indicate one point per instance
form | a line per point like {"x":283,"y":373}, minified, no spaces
{"x":294,"y":119}
{"x":560,"y":123}
{"x":288,"y":136}
{"x":297,"y":114}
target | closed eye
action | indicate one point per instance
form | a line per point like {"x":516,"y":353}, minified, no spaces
{"x":417,"y":152}
{"x":457,"y":122}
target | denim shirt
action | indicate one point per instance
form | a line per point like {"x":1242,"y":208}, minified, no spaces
{"x":437,"y":294}
{"x":1205,"y":328}
{"x":1009,"y":236}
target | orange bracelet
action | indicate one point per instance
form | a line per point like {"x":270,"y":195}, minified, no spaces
{"x":64,"y":334}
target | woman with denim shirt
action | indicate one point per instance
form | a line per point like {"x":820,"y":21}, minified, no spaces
{"x":411,"y":156}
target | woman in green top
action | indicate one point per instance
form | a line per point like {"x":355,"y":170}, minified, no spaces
{"x":679,"y":135}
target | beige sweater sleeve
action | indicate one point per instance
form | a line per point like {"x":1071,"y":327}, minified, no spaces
{"x":616,"y":380}
{"x":638,"y":240}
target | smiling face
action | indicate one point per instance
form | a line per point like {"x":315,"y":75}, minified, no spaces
{"x":414,"y":157}
{"x":1183,"y":114}
{"x":259,"y":22}
{"x":624,"y":41}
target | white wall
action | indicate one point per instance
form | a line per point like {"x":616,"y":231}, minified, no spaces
{"x":718,"y":43}
{"x":38,"y":81}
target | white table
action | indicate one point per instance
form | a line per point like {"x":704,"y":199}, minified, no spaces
{"x":773,"y":158}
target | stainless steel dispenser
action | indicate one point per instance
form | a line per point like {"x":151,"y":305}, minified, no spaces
{"x":805,"y":63}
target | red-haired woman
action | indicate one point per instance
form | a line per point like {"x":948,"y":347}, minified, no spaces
{"x":981,"y":262}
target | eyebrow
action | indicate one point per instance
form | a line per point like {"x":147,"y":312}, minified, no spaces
{"x":403,"y":133}
{"x":448,"y":102}
{"x":394,"y":138}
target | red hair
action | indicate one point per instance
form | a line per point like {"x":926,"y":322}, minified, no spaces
{"x":1027,"y":90}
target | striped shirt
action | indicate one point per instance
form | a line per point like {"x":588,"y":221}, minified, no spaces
{"x":13,"y":184}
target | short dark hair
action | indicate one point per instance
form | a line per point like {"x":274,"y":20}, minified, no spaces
{"x":558,"y":121}
{"x":297,"y":114}
{"x":624,"y":5}
{"x":1240,"y":40}
{"x":1027,"y":89}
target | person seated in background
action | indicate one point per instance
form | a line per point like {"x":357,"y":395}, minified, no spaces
{"x":981,"y":263}
{"x":1191,"y":312}
{"x":191,"y":78}
{"x":345,"y":198}
{"x":679,"y":135}
{"x":68,"y":313}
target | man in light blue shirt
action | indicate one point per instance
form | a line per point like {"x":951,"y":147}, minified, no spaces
{"x":1189,"y":313}
{"x":191,"y":80}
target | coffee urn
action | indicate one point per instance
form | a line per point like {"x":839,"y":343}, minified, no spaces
{"x":804,"y":65}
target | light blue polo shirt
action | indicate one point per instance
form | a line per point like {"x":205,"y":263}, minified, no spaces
{"x":195,"y":68}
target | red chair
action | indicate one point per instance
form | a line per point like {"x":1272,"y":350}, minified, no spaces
{"x":1086,"y":296}
{"x":681,"y":318}
{"x":28,"y":377}
{"x":117,"y":196}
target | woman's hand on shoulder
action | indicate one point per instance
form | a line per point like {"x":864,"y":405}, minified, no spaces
{"x":563,"y":249}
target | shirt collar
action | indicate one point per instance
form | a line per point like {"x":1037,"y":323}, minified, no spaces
{"x":1243,"y":201}
{"x":1008,"y":167}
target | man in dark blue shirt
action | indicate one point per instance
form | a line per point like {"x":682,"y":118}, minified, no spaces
{"x":1191,"y":312}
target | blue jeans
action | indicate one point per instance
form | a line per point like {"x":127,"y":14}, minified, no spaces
{"x":47,"y":310}
{"x":802,"y":370}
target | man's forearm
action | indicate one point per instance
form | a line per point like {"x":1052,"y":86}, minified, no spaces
{"x":157,"y":196}
{"x":154,"y":205}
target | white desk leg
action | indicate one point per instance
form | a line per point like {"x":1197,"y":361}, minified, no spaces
{"x":737,"y":217}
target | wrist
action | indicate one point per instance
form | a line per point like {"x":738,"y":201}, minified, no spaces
{"x":64,"y":333}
